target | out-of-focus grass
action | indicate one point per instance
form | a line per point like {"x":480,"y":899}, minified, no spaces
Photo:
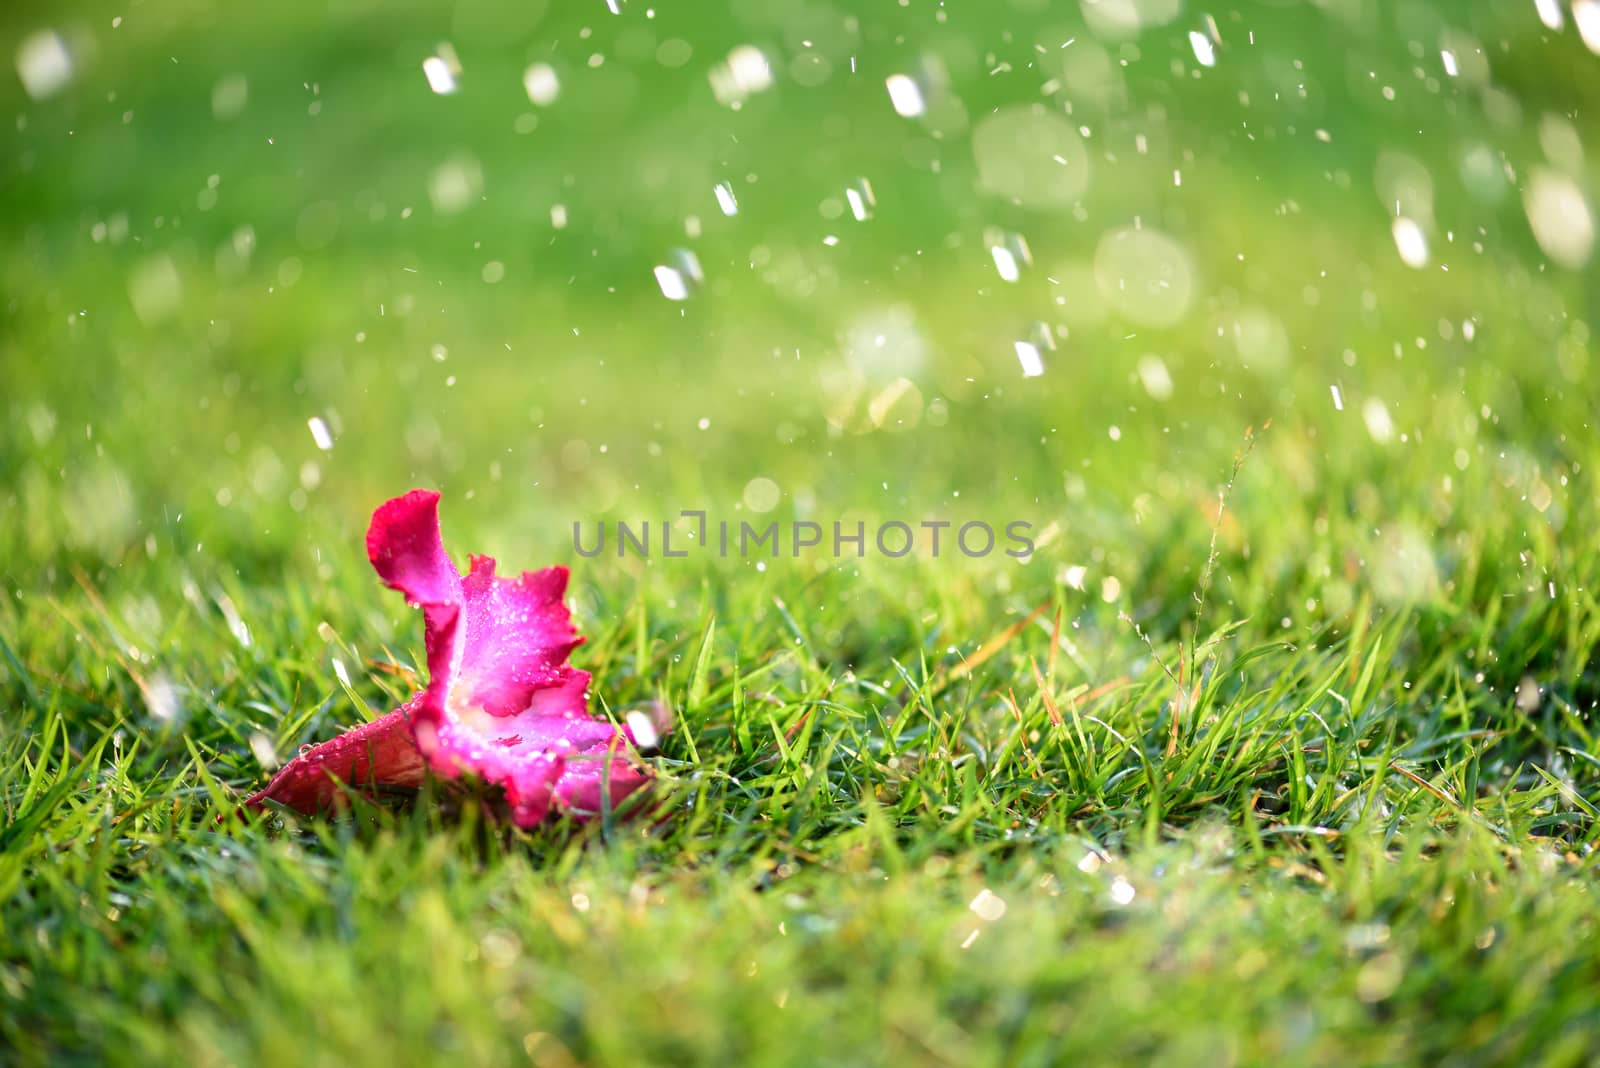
{"x":1369,"y":836}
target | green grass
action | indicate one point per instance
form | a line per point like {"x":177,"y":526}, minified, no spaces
{"x":1310,"y":780}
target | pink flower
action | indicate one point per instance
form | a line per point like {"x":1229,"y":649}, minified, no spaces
{"x":502,"y":703}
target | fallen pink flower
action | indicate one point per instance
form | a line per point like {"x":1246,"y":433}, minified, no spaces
{"x":502,"y":703}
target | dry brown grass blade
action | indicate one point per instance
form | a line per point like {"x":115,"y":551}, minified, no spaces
{"x":1022,"y":738}
{"x":1044,"y":688}
{"x":1394,"y":765}
{"x":1055,"y":644}
{"x":985,"y":651}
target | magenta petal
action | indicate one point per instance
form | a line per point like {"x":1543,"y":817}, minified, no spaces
{"x":519,"y":634}
{"x":502,"y":702}
{"x":380,"y":753}
{"x":586,"y":778}
{"x":406,"y":550}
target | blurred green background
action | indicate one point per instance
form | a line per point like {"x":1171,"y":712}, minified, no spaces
{"x":264,"y":266}
{"x":224,"y":222}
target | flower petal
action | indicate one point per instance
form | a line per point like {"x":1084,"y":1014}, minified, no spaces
{"x":407,"y":551}
{"x":519,"y":634}
{"x":502,"y":702}
{"x":380,"y":753}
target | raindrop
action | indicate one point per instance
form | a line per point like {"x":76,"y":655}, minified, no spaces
{"x":441,"y":79}
{"x":1030,"y":358}
{"x":745,"y":72}
{"x":541,"y":84}
{"x":761,"y":495}
{"x":861,"y":199}
{"x":264,"y":751}
{"x":988,"y":906}
{"x":1411,"y":242}
{"x":1155,"y":378}
{"x":43,"y":64}
{"x":1204,"y":51}
{"x":1586,"y":16}
{"x":161,"y":697}
{"x":1559,"y":215}
{"x":1145,"y":275}
{"x":320,"y":433}
{"x":644,"y":736}
{"x":454,"y":185}
{"x":905,"y":95}
{"x":1125,"y":18}
{"x":1379,"y":424}
{"x":725,"y":198}
{"x":1550,"y":13}
{"x":1031,"y":156}
{"x":1010,"y":253}
{"x":155,"y":289}
{"x":678,"y":278}
{"x":229,"y":96}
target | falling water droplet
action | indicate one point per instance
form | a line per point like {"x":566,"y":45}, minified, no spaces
{"x":1411,"y":242}
{"x":1010,"y":253}
{"x":320,"y":433}
{"x":539,"y":81}
{"x":861,"y":199}
{"x":905,"y":95}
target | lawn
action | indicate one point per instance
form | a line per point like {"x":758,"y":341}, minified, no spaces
{"x":1280,"y":746}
